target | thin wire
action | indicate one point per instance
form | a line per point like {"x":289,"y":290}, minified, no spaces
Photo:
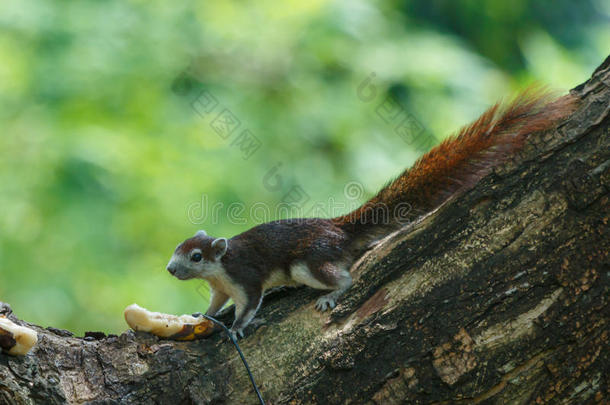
{"x":243,"y":359}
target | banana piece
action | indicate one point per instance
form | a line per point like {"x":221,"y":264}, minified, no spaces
{"x":184,"y":327}
{"x":14,"y":339}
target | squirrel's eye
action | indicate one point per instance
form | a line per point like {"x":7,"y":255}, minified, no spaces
{"x":196,"y":257}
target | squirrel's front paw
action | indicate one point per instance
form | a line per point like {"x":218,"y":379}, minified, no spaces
{"x":237,"y":333}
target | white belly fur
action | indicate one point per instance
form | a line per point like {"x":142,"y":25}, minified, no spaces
{"x":227,"y":286}
{"x":278,"y":278}
{"x":301,"y":274}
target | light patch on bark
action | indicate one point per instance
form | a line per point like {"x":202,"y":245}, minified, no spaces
{"x":75,"y":387}
{"x":512,"y":330}
{"x":454,"y":359}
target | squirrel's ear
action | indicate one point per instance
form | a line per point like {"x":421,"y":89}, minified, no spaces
{"x":219,"y":247}
{"x":201,"y":233}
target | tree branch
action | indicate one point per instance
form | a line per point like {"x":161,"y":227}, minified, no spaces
{"x":500,"y":295}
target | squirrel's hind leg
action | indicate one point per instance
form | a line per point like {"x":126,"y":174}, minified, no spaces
{"x":329,"y":301}
{"x":328,"y":276}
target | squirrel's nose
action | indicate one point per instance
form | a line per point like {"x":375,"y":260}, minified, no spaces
{"x":171,"y":268}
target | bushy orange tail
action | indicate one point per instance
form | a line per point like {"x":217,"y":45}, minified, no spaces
{"x":456,"y":164}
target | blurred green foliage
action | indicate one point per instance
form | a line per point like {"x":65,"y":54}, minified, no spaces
{"x":102,"y":155}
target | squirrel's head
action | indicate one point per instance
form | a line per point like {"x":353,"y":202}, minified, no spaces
{"x":198,"y":257}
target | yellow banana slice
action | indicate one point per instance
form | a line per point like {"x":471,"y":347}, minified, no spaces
{"x":14,"y":339}
{"x":183,"y":327}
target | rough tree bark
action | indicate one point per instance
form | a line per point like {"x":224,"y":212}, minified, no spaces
{"x":499,"y":296}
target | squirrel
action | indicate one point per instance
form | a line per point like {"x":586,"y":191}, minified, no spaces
{"x":319,"y":252}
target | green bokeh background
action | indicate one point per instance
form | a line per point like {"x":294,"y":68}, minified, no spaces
{"x":102,"y":155}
